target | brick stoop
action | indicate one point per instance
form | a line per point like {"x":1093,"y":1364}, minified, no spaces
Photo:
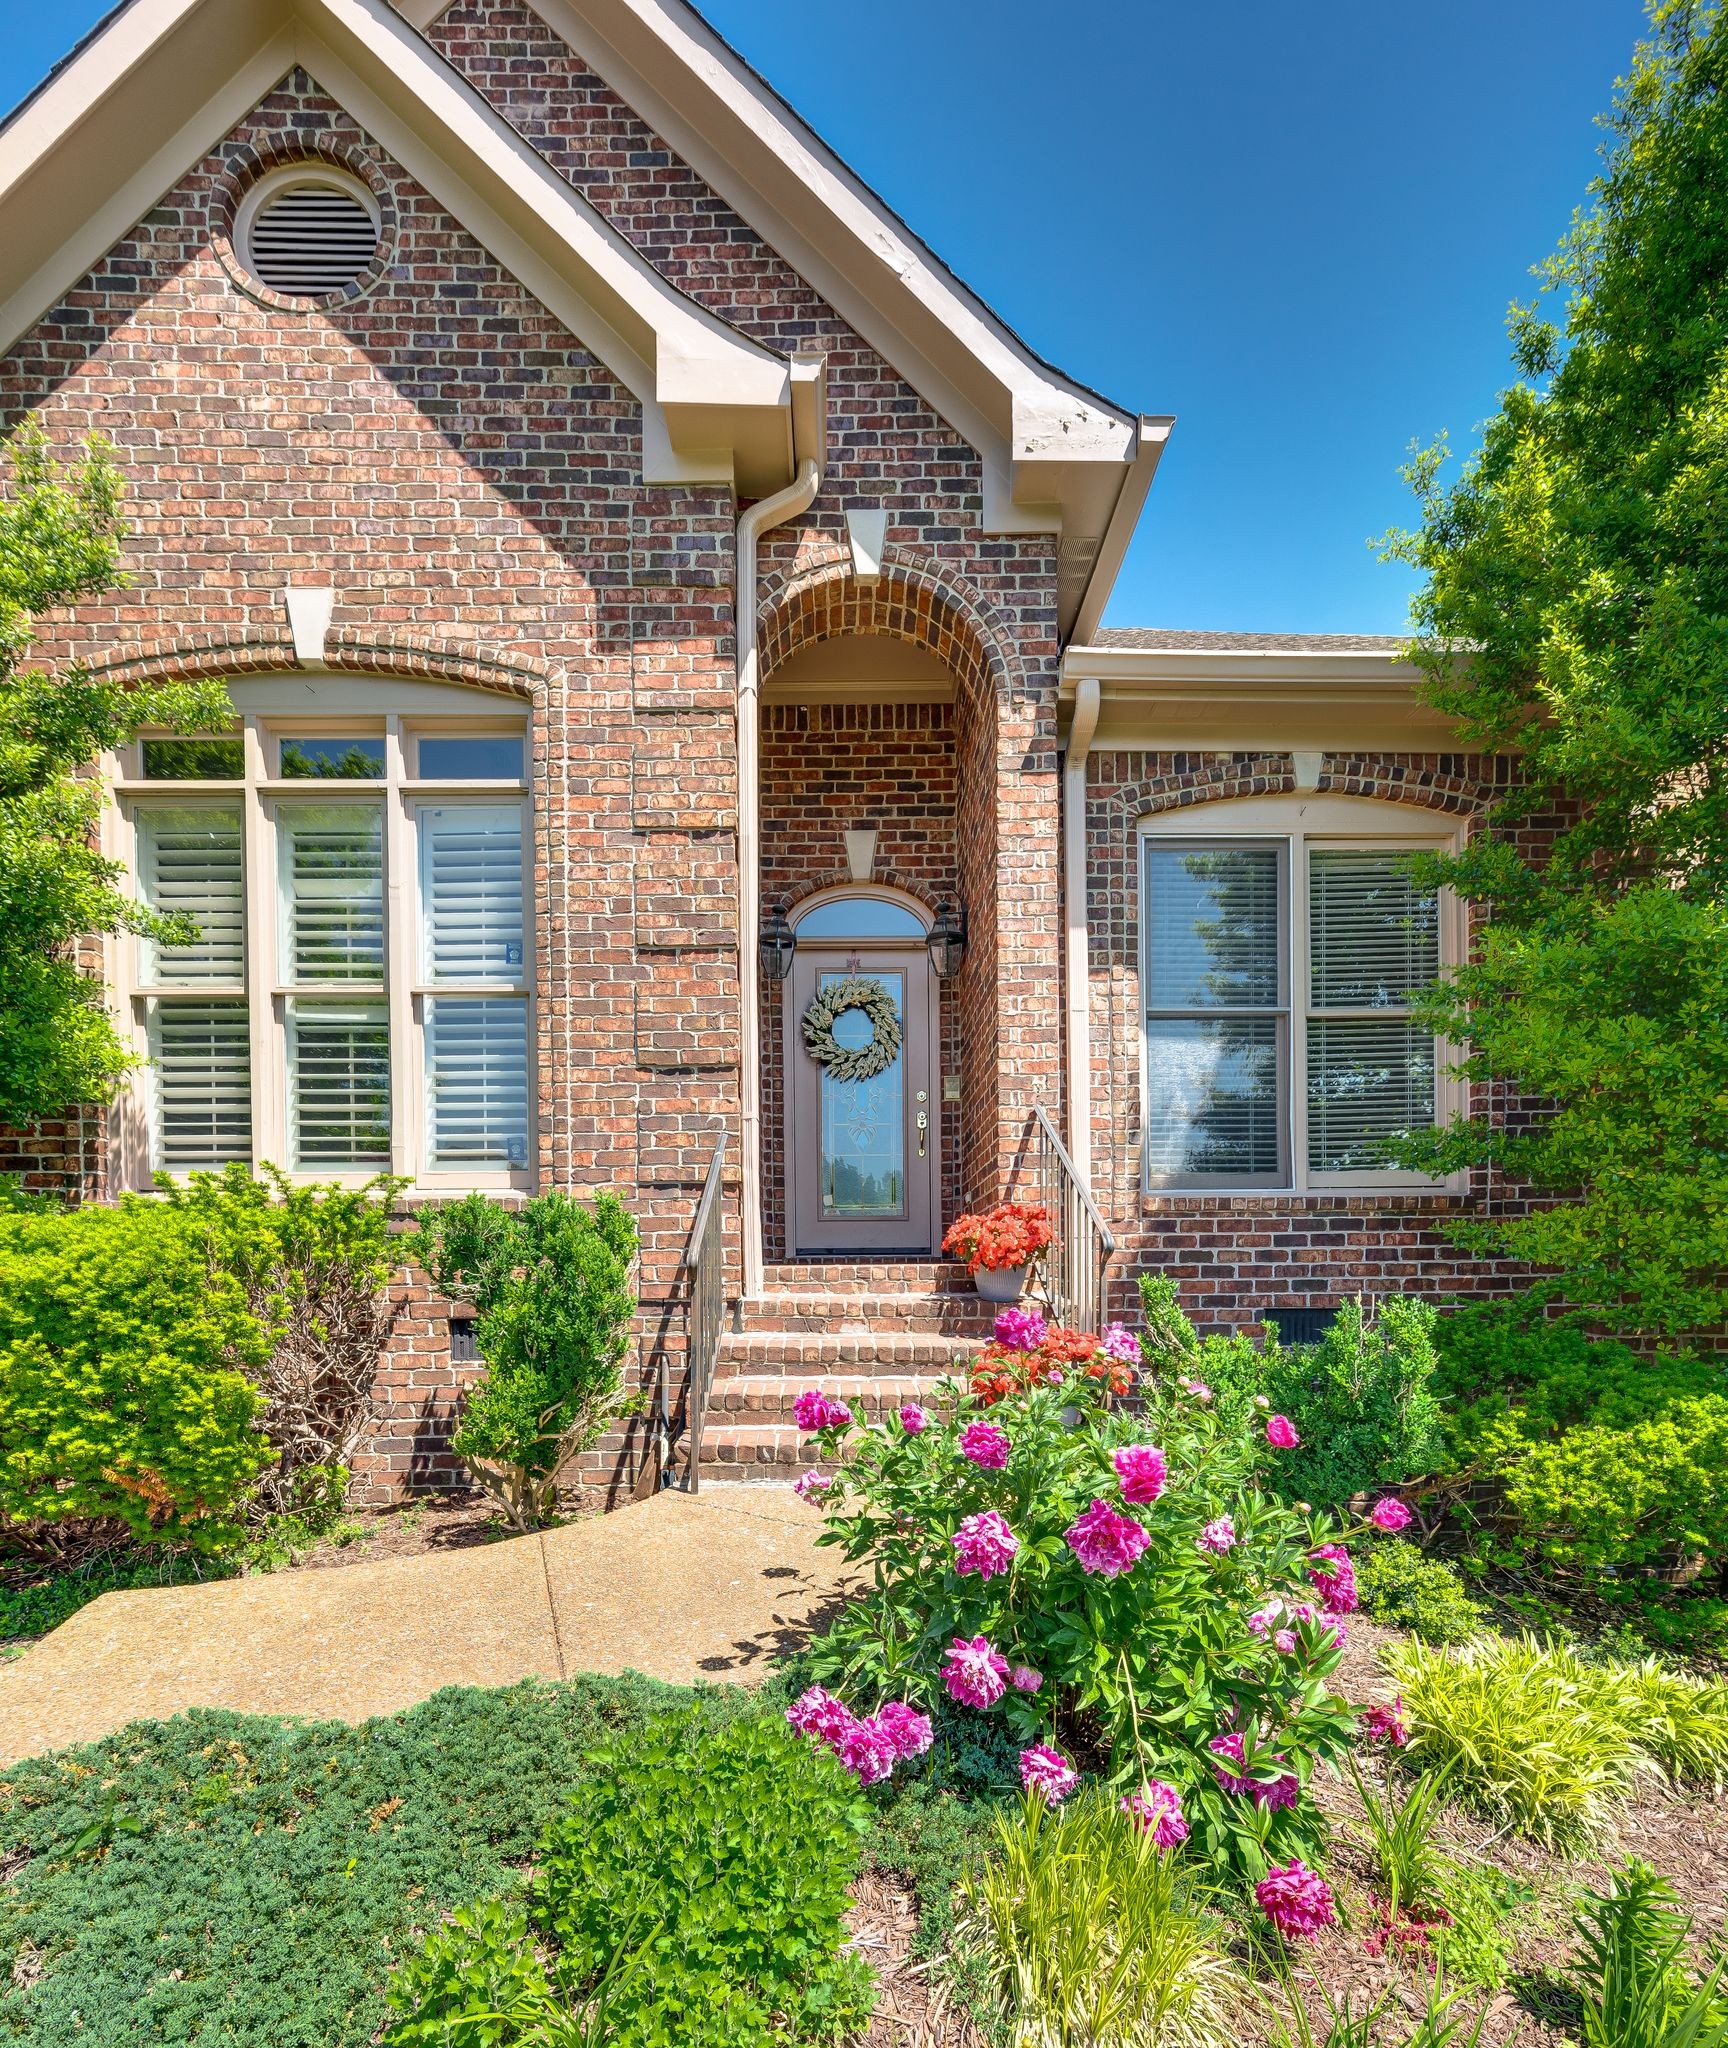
{"x":873,"y":1335}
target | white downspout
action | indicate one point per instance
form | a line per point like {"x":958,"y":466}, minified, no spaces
{"x":766,"y":512}
{"x":1077,"y":960}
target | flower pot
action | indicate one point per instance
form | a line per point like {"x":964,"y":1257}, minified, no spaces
{"x":1001,"y":1283}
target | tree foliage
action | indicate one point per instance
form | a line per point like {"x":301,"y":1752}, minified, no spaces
{"x":1581,"y":557}
{"x":59,"y":542}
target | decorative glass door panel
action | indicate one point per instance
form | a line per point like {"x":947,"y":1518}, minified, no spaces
{"x":862,"y":1148}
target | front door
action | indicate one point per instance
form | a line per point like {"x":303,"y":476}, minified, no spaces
{"x":861,"y":1154}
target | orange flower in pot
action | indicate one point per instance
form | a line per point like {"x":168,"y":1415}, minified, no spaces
{"x":1000,"y":1247}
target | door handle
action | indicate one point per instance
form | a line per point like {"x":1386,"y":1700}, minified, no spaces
{"x":923,"y":1126}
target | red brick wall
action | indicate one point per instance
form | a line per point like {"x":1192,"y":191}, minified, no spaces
{"x":1235,"y":1256}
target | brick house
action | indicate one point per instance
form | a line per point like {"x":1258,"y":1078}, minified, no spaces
{"x":653,"y":589}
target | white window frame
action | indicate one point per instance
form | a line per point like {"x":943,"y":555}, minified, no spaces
{"x":403,"y":991}
{"x":1295,"y":825}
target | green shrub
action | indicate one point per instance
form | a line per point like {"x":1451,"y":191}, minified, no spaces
{"x":123,"y":1389}
{"x":1362,"y":1399}
{"x":1632,"y":1975}
{"x":234,"y":1881}
{"x":33,"y":1601}
{"x":714,"y":1860}
{"x":1401,"y":1587}
{"x":551,"y":1282}
{"x":1089,"y":1938}
{"x":1535,"y":1735}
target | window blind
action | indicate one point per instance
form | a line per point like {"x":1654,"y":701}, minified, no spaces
{"x":1212,"y":925}
{"x":339,"y":1085}
{"x":471,"y":892}
{"x":1369,"y":1079}
{"x":191,"y":864}
{"x":1212,"y":1096}
{"x":332,"y":862}
{"x":202,"y":1097}
{"x":1373,"y":936}
{"x":477,"y":1081}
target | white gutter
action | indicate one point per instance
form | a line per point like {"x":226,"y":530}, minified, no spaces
{"x":787,"y":504}
{"x":1077,"y":963}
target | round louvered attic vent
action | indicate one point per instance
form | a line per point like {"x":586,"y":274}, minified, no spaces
{"x":307,"y":233}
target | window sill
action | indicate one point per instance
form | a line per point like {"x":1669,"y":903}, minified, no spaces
{"x":1366,"y":1198}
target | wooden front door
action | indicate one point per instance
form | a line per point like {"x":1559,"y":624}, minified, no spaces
{"x":861,"y":1156}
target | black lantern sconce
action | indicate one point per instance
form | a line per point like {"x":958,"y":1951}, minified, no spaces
{"x":947,"y":941}
{"x":778,"y":944}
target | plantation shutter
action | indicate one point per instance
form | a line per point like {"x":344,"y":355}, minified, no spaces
{"x":202,"y":1093}
{"x":1374,"y":944}
{"x":191,"y":864}
{"x":339,"y":1085}
{"x":477,"y":1081}
{"x":332,"y":865}
{"x":1215,"y":1028}
{"x":471,"y":893}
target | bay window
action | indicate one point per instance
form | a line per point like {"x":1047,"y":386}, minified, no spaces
{"x":351,"y":992}
{"x":1278,"y":972}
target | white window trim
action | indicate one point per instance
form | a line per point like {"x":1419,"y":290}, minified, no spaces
{"x":260,"y":795}
{"x":1296,"y":823}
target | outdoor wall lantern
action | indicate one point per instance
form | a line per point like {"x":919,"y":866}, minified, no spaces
{"x":776,"y":947}
{"x":947,"y":941}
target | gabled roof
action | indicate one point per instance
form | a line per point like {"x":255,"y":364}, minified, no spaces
{"x":159,"y":83}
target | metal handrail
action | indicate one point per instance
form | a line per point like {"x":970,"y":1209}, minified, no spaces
{"x":1073,"y":1274}
{"x":705,"y":1263}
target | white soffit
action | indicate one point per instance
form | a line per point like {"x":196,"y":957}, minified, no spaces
{"x":159,"y":86}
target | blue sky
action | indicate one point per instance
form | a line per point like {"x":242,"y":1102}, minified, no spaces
{"x":1295,"y":227}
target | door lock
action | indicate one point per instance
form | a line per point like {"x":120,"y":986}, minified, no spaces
{"x":923,"y":1126}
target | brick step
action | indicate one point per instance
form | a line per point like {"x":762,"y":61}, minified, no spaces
{"x":818,"y":1310}
{"x":868,"y":1276}
{"x":753,"y":1450}
{"x":874,"y":1351}
{"x":771,"y":1396}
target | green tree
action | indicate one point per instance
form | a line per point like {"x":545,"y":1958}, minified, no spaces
{"x":1575,"y":610}
{"x":60,"y":541}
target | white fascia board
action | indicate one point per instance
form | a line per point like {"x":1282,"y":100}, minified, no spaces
{"x":1042,"y":439}
{"x":1132,"y":669}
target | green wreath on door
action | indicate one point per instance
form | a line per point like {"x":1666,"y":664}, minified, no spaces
{"x":853,"y":1062}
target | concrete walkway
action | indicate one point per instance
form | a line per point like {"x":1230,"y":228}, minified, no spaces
{"x":682,"y":1588}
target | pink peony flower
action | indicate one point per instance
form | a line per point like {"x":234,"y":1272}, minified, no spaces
{"x":1386,"y":1724}
{"x":1020,"y":1329}
{"x":1284,"y":1641}
{"x":867,"y":1749}
{"x":1389,"y":1514}
{"x":1296,"y":1900}
{"x":1200,"y":1390}
{"x":1334,"y":1577}
{"x":985,"y":1444}
{"x":813,"y":1410}
{"x":820,"y":1714}
{"x":1156,"y":1809}
{"x":1105,"y":1541}
{"x":1024,"y":1679}
{"x":984,"y":1544}
{"x":1231,"y":1746}
{"x":1049,"y":1770}
{"x":913,"y":1420}
{"x":1265,"y":1619}
{"x":1142,"y":1471}
{"x":908,"y":1730}
{"x":811,"y":1483}
{"x":975,"y":1672}
{"x":1121,"y":1344}
{"x":1218,"y":1536}
{"x":1281,"y":1433}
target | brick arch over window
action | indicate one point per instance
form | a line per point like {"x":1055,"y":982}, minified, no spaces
{"x":345,"y":652}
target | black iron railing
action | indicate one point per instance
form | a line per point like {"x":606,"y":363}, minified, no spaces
{"x":1073,"y":1270}
{"x":705,"y":1283}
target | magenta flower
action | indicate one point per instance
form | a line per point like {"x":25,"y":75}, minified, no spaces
{"x":985,"y":1444}
{"x":1231,"y":1746}
{"x":913,"y":1420}
{"x":811,"y":1483}
{"x":1218,"y":1536}
{"x":1049,"y":1770}
{"x":1389,"y":1514}
{"x":813,"y":1410}
{"x":1284,"y":1641}
{"x":1156,"y":1809}
{"x":908,"y":1730}
{"x":820,"y":1714}
{"x":1106,"y":1542}
{"x":1386,"y":1724}
{"x":1281,"y":1433}
{"x":1020,"y":1329}
{"x":1121,"y":1344}
{"x":975,"y":1673}
{"x":1024,"y":1679}
{"x":1334,"y":1578}
{"x":867,"y":1749}
{"x":1265,"y":1619}
{"x":1296,"y":1900}
{"x":1142,"y":1471}
{"x":984,"y":1544}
